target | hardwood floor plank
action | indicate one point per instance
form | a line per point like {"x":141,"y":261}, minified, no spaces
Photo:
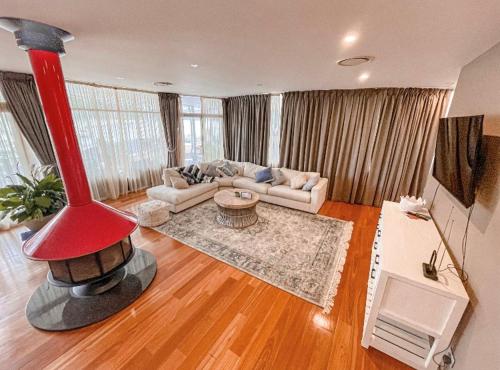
{"x":198,"y":313}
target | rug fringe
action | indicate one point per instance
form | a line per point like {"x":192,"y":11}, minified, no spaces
{"x":337,"y":275}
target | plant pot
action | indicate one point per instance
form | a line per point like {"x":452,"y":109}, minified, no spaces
{"x":35,"y":225}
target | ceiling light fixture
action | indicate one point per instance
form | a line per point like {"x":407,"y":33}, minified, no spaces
{"x":160,"y":83}
{"x":363,"y":77}
{"x":194,"y":65}
{"x":350,"y":39}
{"x":355,"y":61}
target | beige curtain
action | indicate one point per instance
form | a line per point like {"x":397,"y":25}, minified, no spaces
{"x":170,"y":116}
{"x":372,"y":144}
{"x":246,"y":128}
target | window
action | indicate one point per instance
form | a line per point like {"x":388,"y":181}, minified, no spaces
{"x":15,"y":152}
{"x":121,"y":138}
{"x":202,"y":129}
{"x":275,"y":132}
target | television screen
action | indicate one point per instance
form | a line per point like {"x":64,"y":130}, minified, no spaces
{"x":457,"y":157}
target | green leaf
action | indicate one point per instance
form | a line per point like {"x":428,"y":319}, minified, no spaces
{"x":43,"y":202}
{"x":25,"y":180}
{"x":6,"y":191}
{"x":12,"y":202}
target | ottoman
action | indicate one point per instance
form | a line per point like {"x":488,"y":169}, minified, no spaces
{"x":153,"y":213}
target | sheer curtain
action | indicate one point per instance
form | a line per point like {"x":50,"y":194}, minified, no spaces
{"x":211,"y":123}
{"x":273,"y":156}
{"x":202,"y":125}
{"x":121,"y":138}
{"x":15,"y":153}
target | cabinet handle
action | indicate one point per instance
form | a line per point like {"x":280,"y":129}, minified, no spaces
{"x":375,"y":245}
{"x":372,"y":274}
{"x":379,"y":233}
{"x":377,"y":257}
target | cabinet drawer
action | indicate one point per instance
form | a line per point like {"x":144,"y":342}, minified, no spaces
{"x":416,"y":305}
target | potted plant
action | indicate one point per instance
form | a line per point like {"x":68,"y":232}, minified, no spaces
{"x":35,"y":200}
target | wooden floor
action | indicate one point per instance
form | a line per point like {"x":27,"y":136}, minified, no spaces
{"x":198,"y":313}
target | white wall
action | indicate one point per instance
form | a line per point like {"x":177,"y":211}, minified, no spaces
{"x":478,"y":92}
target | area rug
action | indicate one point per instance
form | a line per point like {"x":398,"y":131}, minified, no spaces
{"x":298,"y":252}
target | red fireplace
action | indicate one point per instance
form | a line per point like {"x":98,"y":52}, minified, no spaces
{"x":87,"y":244}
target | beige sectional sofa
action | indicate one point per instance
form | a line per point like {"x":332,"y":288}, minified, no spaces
{"x":283,"y":195}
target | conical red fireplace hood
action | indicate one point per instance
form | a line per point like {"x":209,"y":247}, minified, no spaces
{"x":84,"y":226}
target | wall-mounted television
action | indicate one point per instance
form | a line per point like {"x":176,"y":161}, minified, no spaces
{"x":457,"y":158}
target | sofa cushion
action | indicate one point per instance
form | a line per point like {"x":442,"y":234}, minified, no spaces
{"x":251,"y":169}
{"x":225,"y":181}
{"x":289,"y":174}
{"x":284,"y":191}
{"x":177,"y":196}
{"x":250,"y":184}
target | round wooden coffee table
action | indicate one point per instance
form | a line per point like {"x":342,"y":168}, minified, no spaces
{"x":236,"y":212}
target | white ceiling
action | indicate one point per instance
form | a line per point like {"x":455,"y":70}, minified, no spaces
{"x":282,"y":44}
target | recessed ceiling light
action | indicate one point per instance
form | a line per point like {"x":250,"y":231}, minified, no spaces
{"x":120,"y":78}
{"x":364,"y":76}
{"x":194,"y":65}
{"x":355,"y":61}
{"x":160,"y":83}
{"x":350,"y":38}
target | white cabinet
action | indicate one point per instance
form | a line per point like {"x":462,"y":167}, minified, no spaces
{"x":408,"y":316}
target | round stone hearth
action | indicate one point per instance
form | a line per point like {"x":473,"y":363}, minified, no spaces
{"x":56,"y":308}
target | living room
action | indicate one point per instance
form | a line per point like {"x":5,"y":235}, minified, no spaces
{"x":258,"y":184}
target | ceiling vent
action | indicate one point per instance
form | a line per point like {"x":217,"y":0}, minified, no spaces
{"x":160,"y":83}
{"x":356,"y":61}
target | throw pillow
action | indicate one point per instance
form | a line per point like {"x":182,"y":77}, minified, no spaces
{"x":278,"y":177}
{"x":207,"y":179}
{"x":189,"y":173}
{"x":250,"y":169}
{"x":211,"y":171}
{"x":264,"y":175}
{"x":311,"y":182}
{"x":298,"y":181}
{"x":237,"y":166}
{"x":289,"y":174}
{"x":167,"y":174}
{"x":227,"y":170}
{"x":179,"y":183}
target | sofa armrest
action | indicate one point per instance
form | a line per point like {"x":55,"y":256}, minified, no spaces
{"x":318,"y":194}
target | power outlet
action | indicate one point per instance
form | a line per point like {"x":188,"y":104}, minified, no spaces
{"x":448,"y":359}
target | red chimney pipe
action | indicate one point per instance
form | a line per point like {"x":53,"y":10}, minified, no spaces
{"x":51,"y":87}
{"x":84,"y":226}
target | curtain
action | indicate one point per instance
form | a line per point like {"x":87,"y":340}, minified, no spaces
{"x":274,"y":132}
{"x":246,"y":128}
{"x":211,"y":123}
{"x":170,"y":117}
{"x":372,"y":144}
{"x":20,"y":93}
{"x":121,"y":138}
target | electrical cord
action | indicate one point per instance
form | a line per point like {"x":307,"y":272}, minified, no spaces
{"x":434,"y":197}
{"x":460,"y":271}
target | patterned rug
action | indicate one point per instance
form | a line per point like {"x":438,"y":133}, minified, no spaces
{"x":298,"y":252}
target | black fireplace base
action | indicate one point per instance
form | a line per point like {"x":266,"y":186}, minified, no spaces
{"x":55,"y":308}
